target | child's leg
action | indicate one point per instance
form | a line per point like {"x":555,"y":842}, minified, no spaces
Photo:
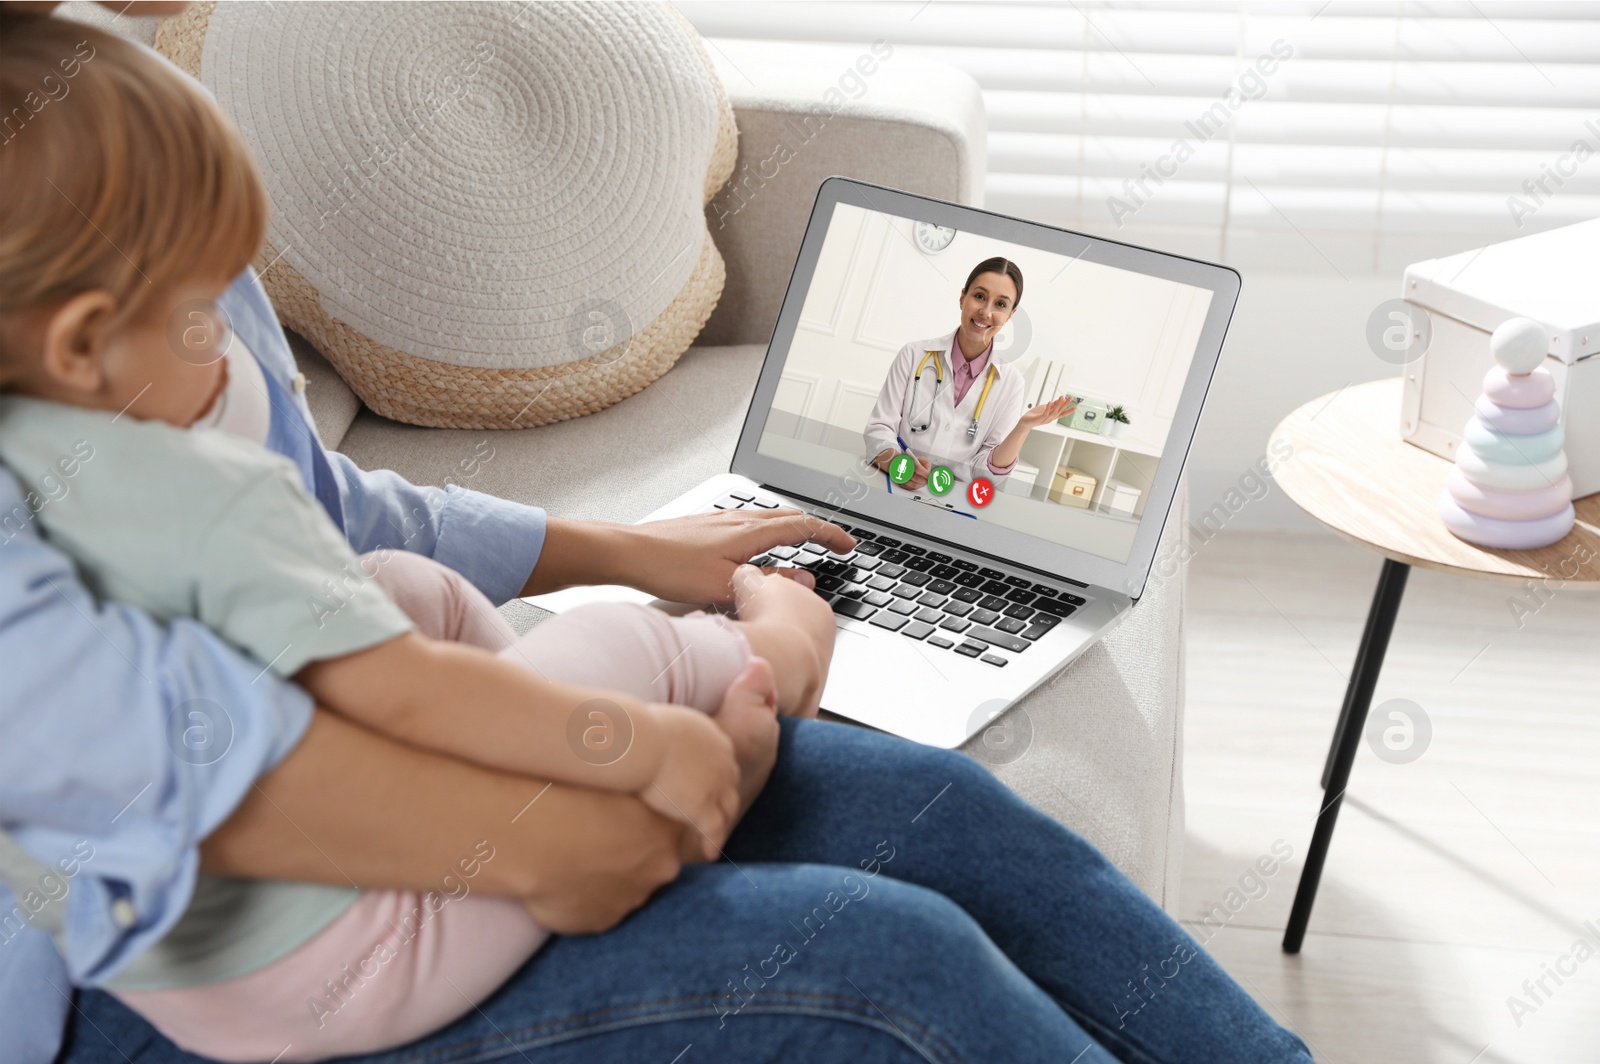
{"x":391,"y":968}
{"x":625,"y":647}
{"x":440,"y":601}
{"x":689,"y":661}
{"x":640,"y":651}
{"x":692,"y":660}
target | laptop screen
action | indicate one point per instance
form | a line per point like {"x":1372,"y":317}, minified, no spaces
{"x":993,"y":383}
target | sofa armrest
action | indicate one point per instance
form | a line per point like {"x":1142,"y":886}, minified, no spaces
{"x":807,"y":112}
{"x":1100,"y":746}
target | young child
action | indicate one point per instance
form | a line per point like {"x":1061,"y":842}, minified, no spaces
{"x":138,"y":424}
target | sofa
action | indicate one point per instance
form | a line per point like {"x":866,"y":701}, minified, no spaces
{"x":1098,"y":748}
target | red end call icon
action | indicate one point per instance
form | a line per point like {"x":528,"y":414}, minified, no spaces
{"x":980,"y":492}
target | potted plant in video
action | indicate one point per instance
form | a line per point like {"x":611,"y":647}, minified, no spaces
{"x":1116,"y":421}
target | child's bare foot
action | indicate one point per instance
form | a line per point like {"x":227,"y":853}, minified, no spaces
{"x":749,"y":716}
{"x":790,"y":626}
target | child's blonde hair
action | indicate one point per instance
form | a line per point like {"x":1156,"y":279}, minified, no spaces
{"x":116,"y":173}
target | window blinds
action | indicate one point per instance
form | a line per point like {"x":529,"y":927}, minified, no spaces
{"x":1325,"y":137}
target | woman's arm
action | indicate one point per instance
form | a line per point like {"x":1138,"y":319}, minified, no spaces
{"x":351,"y":807}
{"x":1007,"y":450}
{"x":500,"y":713}
{"x":680,"y":559}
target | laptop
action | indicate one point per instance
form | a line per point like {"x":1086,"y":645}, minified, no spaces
{"x":968,"y":587}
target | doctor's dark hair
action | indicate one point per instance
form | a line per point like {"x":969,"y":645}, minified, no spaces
{"x":997,"y":265}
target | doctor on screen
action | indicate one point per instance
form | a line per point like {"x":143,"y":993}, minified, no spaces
{"x":948,"y":401}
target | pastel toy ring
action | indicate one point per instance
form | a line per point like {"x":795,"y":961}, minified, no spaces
{"x":1515,"y":477}
{"x":1494,"y":446}
{"x":1499,"y":534}
{"x":1518,"y":421}
{"x":1506,"y":503}
{"x":1535,"y":389}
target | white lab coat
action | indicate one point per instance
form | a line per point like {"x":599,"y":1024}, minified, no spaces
{"x":945,"y":441}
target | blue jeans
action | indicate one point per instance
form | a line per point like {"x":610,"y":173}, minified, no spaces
{"x":882,"y":901}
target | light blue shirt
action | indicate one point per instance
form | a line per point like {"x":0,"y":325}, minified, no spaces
{"x":94,"y":774}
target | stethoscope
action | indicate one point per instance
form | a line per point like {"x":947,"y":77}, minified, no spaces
{"x":938,"y":386}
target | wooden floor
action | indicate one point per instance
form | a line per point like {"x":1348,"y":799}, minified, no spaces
{"x":1452,"y":879}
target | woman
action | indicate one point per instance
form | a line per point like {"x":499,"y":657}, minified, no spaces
{"x":949,"y":402}
{"x":880,"y":900}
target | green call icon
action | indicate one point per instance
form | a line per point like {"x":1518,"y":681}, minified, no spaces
{"x":941,"y":480}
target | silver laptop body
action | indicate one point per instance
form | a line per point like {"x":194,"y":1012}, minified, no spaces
{"x":949,"y":612}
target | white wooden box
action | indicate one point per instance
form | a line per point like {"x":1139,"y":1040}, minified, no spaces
{"x":1551,"y":277}
{"x":1121,"y":498}
{"x":1021,"y":479}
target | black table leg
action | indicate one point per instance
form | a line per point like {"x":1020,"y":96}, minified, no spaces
{"x":1347,"y":740}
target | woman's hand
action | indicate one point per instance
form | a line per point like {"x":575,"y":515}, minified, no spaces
{"x":600,"y":857}
{"x":698,"y":783}
{"x":919,"y":475}
{"x":1044,"y":413}
{"x":919,"y":478}
{"x":749,"y":716}
{"x":1006,"y":452}
{"x":680,"y":559}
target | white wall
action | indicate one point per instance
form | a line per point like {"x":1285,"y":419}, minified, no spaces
{"x":1294,"y":337}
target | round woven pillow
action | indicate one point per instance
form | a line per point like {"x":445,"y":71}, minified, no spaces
{"x":485,"y":215}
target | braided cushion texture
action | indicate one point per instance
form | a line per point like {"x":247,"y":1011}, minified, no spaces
{"x":485,"y":215}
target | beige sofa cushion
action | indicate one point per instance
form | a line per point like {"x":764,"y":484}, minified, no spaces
{"x":906,"y":122}
{"x":484,"y":215}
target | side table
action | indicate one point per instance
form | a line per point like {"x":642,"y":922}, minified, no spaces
{"x":1349,"y":468}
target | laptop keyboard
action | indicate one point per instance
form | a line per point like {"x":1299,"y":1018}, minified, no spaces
{"x":945,"y":602}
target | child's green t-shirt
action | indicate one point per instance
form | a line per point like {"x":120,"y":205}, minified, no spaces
{"x":197,"y":524}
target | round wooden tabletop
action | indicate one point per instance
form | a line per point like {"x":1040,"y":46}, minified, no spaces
{"x":1348,"y":467}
